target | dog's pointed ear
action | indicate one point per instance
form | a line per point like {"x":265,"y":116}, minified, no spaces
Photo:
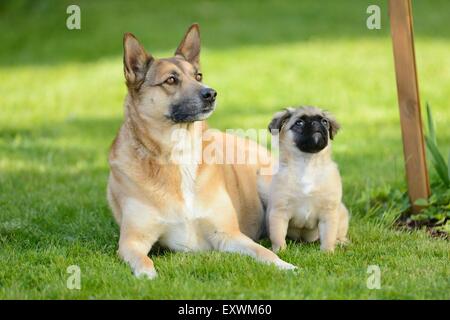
{"x":278,"y":120}
{"x":334,"y":125}
{"x":136,"y":60}
{"x":189,"y":47}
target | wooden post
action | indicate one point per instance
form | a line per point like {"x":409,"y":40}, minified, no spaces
{"x":400,"y":12}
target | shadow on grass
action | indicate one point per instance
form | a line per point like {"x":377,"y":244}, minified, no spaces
{"x":89,"y":129}
{"x":57,"y":215}
{"x":35,"y":33}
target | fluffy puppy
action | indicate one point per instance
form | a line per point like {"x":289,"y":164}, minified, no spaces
{"x":305,"y":194}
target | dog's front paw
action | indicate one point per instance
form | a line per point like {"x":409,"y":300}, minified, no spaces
{"x":283,"y":265}
{"x":146,"y":273}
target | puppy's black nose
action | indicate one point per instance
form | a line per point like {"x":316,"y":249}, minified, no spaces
{"x":208,"y":94}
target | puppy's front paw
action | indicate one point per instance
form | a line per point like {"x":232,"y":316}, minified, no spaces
{"x":283,"y":265}
{"x":278,"y":247}
{"x":146,"y":273}
{"x":343,"y":242}
{"x":327,"y":249}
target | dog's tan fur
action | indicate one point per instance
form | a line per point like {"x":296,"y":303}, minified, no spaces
{"x":305,"y":195}
{"x":187,"y":207}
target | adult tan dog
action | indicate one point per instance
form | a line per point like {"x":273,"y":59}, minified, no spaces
{"x":305,"y":194}
{"x":183,"y":205}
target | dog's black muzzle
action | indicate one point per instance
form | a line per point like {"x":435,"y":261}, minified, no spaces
{"x":196,"y":108}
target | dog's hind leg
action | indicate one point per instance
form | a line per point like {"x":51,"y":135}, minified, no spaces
{"x":240,"y":243}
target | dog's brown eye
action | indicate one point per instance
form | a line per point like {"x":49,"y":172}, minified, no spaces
{"x":198,"y":77}
{"x":171,"y":80}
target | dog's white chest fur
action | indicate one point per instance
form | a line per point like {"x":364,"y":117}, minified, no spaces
{"x":185,"y":233}
{"x":188,"y":173}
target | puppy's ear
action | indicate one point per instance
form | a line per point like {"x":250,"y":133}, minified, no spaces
{"x":136,"y":60}
{"x":189,"y":47}
{"x":279,"y":119}
{"x":334,"y":125}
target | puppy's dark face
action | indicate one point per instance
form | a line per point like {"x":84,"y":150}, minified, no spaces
{"x":308,"y":129}
{"x":310,"y":133}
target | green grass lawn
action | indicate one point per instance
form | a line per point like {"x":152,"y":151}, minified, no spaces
{"x":61,"y":95}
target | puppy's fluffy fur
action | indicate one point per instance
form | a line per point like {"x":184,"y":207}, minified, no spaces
{"x":305,"y":195}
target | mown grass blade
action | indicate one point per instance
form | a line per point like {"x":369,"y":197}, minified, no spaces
{"x":431,"y":127}
{"x":438,"y":161}
{"x":448,"y":165}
